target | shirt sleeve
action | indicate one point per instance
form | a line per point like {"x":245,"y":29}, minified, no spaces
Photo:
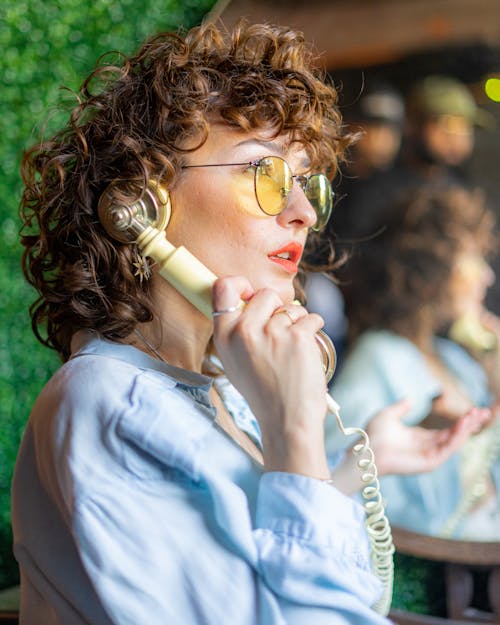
{"x":311,"y":543}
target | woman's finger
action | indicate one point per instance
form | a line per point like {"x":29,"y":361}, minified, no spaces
{"x":310,"y":321}
{"x":288,"y":315}
{"x":229,"y":295}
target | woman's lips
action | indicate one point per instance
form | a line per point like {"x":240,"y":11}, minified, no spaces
{"x":287,"y":257}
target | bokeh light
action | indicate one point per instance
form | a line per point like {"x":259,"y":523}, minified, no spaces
{"x":492,"y":88}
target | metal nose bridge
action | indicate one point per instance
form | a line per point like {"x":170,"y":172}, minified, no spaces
{"x":302,"y":181}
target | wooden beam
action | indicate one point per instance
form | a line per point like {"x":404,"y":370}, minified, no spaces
{"x":353,"y":33}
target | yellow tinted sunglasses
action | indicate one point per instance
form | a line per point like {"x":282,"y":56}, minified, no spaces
{"x":273,"y":182}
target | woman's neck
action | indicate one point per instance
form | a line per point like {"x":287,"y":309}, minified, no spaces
{"x":179,"y":334}
{"x":423,"y":337}
{"x":425,"y":344}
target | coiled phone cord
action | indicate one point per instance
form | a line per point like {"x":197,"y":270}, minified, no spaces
{"x":377,"y":523}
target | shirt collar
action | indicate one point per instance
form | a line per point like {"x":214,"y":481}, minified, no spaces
{"x":90,"y":342}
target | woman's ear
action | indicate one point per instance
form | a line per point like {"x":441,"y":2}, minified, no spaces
{"x":125,"y":210}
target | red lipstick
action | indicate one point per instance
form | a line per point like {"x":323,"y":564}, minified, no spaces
{"x":288,"y":256}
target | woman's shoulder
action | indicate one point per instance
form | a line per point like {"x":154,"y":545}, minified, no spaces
{"x":450,"y":349}
{"x":381,"y":347}
{"x":466,"y":369}
{"x":381,"y":368}
{"x":458,"y":359}
{"x":90,"y":379}
{"x":99,"y":386}
{"x":105,"y":414}
{"x":388,"y":356}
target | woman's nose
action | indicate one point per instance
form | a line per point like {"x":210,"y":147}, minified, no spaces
{"x":298,"y":211}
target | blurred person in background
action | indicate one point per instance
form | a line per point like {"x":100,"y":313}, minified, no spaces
{"x":376,"y":118}
{"x":429,"y":141}
{"x":406,"y":286}
{"x":441,"y":118}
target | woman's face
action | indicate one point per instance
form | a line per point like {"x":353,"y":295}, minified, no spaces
{"x":450,"y":139}
{"x":379,"y":145}
{"x":470,"y":279}
{"x":215,"y":214}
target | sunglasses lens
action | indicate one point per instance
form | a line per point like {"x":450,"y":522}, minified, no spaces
{"x":319,"y":192}
{"x":273,"y":183}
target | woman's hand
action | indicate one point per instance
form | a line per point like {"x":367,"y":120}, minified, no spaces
{"x":272,"y":358}
{"x":447,"y":408}
{"x":402,"y":449}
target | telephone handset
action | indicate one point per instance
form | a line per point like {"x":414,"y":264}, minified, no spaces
{"x":143,"y":221}
{"x":468,"y":331}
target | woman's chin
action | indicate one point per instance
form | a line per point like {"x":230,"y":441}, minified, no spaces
{"x":284,"y":288}
{"x":287,"y":294}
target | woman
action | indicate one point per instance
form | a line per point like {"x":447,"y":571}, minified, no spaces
{"x":149,"y":487}
{"x":425,"y":271}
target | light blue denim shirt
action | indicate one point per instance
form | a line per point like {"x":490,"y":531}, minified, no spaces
{"x":380,"y":369}
{"x":131,"y":506}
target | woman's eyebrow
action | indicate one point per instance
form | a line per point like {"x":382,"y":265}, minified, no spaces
{"x":277,"y":146}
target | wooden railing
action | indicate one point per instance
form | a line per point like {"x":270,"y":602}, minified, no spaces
{"x":461,"y":559}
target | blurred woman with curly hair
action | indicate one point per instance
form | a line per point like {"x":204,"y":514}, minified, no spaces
{"x":425,"y":274}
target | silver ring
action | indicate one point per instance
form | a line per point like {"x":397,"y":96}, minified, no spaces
{"x":225,"y":311}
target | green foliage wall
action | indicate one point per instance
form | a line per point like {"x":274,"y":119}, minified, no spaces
{"x":47,"y":44}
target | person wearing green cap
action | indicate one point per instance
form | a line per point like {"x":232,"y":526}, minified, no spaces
{"x":441,"y":119}
{"x":442,"y":115}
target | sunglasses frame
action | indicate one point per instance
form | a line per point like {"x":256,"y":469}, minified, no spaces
{"x":302,"y":180}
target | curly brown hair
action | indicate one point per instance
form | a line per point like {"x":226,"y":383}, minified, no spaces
{"x":130,"y":122}
{"x":400,"y":279}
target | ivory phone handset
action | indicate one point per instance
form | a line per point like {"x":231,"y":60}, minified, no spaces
{"x":472,"y":334}
{"x":143,"y":221}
